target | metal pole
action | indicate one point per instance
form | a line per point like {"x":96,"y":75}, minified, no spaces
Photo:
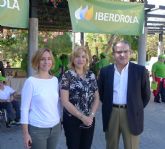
{"x":73,"y":41}
{"x":142,"y":48}
{"x":33,"y":34}
{"x":82,"y":38}
{"x":33,"y":43}
{"x":160,"y":44}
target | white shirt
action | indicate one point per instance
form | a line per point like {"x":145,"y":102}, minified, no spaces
{"x":5,"y":94}
{"x":40,"y":104}
{"x":120,"y":86}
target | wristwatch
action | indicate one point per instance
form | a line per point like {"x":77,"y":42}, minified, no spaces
{"x":93,"y":114}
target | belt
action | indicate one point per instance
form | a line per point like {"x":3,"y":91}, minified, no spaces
{"x":120,"y":106}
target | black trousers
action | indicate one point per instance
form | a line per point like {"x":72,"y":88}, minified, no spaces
{"x":161,"y":93}
{"x":77,"y":137}
{"x":9,"y":109}
{"x":10,"y":106}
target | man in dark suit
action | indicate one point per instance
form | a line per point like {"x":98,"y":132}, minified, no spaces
{"x":124,"y":92}
{"x":2,"y":70}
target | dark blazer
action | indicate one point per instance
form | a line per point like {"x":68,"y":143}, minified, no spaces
{"x":2,"y":68}
{"x":138,"y":95}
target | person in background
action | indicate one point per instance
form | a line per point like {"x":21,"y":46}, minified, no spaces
{"x":64,"y":60}
{"x":80,"y":98}
{"x":8,"y":101}
{"x":8,"y":64}
{"x":56,"y":69}
{"x":124,"y":92}
{"x":102,"y":62}
{"x":40,"y":104}
{"x":93,"y":65}
{"x":2,"y":69}
{"x":158,"y":75}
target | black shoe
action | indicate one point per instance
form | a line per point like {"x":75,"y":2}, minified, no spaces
{"x":8,"y":125}
{"x":157,"y":101}
{"x":12,"y":123}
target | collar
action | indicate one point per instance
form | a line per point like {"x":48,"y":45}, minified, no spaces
{"x":124,"y":69}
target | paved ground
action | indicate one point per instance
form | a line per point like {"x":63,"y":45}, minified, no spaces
{"x":152,"y":137}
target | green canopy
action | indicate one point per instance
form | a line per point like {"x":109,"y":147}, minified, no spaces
{"x":14,"y":13}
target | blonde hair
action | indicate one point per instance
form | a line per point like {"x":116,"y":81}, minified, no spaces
{"x":76,"y":52}
{"x":37,"y":57}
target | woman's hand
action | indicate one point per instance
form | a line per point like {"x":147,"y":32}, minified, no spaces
{"x":27,"y":141}
{"x":87,"y":120}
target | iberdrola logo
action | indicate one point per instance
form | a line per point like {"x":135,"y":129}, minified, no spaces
{"x":84,"y":13}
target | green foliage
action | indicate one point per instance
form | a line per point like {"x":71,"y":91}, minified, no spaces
{"x":13,"y":45}
{"x":152,"y":46}
{"x":59,"y":44}
{"x":102,"y":42}
{"x":133,"y":40}
{"x":24,"y":64}
{"x":7,"y":41}
{"x":96,"y":41}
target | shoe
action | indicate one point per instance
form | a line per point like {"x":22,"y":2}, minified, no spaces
{"x":157,"y":101}
{"x":8,"y":125}
{"x":12,"y":123}
{"x":17,"y":121}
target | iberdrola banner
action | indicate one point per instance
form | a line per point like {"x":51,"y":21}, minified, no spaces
{"x":109,"y":17}
{"x":14,"y":13}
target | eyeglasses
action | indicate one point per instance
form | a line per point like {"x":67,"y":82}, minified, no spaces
{"x":122,"y":51}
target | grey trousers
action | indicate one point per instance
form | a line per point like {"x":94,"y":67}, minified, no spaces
{"x":45,"y":138}
{"x":118,"y":124}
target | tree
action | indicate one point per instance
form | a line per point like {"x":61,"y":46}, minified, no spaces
{"x":58,"y":44}
{"x":152,"y":46}
{"x":13,"y":45}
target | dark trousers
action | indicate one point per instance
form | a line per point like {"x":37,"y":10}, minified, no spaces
{"x":76,"y":136}
{"x":10,"y":106}
{"x":161,"y":92}
{"x":16,"y":106}
{"x":9,"y":109}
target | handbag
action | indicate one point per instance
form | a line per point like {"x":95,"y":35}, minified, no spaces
{"x":154,"y":85}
